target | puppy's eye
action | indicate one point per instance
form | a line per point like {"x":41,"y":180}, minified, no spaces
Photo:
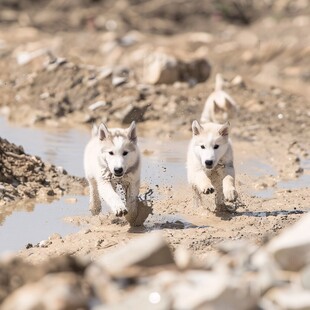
{"x":202,"y":146}
{"x":111,"y":153}
{"x":125,"y":153}
{"x":216,"y":146}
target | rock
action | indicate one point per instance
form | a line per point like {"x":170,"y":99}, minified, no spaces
{"x":24,"y":58}
{"x":97,"y":105}
{"x":44,"y":243}
{"x":237,"y":81}
{"x":60,"y":291}
{"x":149,"y":251}
{"x":211,"y":290}
{"x":71,"y":200}
{"x":160,"y":68}
{"x":120,"y":75}
{"x":54,"y":236}
{"x":291,"y":249}
{"x":163,"y":68}
{"x":104,"y":73}
{"x":183,"y":258}
{"x":131,"y":113}
{"x":288,"y":298}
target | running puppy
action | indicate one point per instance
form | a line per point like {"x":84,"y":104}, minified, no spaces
{"x":210,"y":163}
{"x":219,"y":106}
{"x":112,"y":166}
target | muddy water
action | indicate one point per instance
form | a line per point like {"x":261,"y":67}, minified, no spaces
{"x":163,"y":164}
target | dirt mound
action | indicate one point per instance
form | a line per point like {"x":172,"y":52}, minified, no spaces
{"x":26,"y":176}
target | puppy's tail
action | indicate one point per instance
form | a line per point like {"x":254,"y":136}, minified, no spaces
{"x":219,"y":82}
{"x":94,"y":131}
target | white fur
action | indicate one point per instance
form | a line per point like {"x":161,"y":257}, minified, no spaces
{"x":217,"y":176}
{"x":220,"y":106}
{"x":104,"y":156}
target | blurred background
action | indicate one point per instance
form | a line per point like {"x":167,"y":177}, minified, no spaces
{"x":115,"y":48}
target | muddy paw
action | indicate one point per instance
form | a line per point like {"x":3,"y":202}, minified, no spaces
{"x":208,"y":190}
{"x":230,"y":194}
{"x":120,"y":211}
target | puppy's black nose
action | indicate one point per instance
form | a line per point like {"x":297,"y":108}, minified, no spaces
{"x":118,"y":171}
{"x":209,"y":163}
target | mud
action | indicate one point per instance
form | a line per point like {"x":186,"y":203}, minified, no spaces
{"x":65,"y":65}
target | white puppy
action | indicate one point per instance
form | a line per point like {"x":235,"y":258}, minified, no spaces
{"x":210,"y":163}
{"x":112,"y":164}
{"x":219,"y":106}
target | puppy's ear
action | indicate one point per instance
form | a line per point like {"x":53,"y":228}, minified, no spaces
{"x":224,"y":130}
{"x":94,"y":130}
{"x":196,"y":128}
{"x":103,"y":131}
{"x":132,"y":132}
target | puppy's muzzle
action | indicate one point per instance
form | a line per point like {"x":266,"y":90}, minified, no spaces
{"x":118,"y":172}
{"x":209,"y":164}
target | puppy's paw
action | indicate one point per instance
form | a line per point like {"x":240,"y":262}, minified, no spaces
{"x":120,"y":210}
{"x":206,"y":188}
{"x":230,"y":194}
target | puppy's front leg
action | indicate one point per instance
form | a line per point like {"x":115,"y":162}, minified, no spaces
{"x":202,"y":182}
{"x":111,"y":198}
{"x":229,"y":189}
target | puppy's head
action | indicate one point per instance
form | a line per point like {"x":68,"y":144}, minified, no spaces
{"x":119,"y":148}
{"x":210,"y":142}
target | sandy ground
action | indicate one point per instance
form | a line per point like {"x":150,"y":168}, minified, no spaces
{"x":272,"y":57}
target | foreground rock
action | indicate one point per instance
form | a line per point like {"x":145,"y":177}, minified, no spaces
{"x":144,"y":275}
{"x":26,"y":176}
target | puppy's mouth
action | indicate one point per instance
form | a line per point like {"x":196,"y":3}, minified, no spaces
{"x":118,"y":175}
{"x":209,"y":167}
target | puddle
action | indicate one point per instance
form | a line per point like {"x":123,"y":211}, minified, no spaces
{"x":271,"y":213}
{"x":257,"y":168}
{"x":301,"y":182}
{"x":267,"y":193}
{"x":177,"y":221}
{"x":163,"y":163}
{"x":36,"y":223}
